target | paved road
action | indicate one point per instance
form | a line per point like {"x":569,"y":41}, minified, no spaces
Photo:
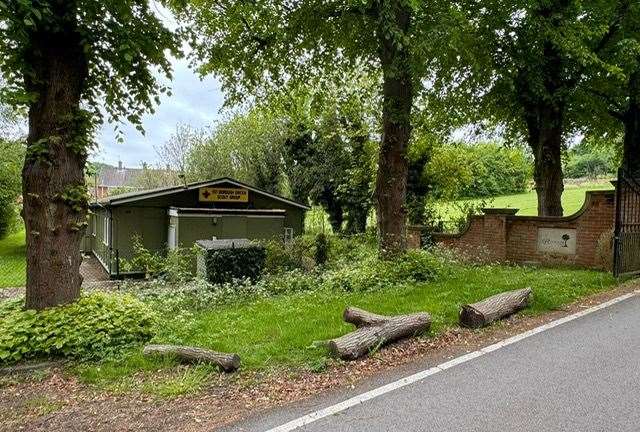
{"x":581,"y":376}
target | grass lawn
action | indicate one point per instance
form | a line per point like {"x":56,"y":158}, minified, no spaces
{"x":280,"y":331}
{"x":572,"y":200}
{"x":12,"y":260}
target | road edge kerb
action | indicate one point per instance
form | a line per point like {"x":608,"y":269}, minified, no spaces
{"x":419,"y":376}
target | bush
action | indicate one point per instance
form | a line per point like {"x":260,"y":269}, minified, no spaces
{"x":11,"y":160}
{"x":478,"y":170}
{"x":225,"y":265}
{"x":95,"y":326}
{"x":363,"y":272}
{"x":178,"y":265}
{"x":374,"y":273}
{"x":591,"y":165}
{"x":295,"y":254}
{"x":593,"y":157}
{"x":322,"y":249}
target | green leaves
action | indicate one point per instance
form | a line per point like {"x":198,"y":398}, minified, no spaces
{"x":125,"y":43}
{"x":225,"y":265}
{"x":95,"y":326}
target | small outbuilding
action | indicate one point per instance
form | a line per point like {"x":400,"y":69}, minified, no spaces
{"x":181,"y":215}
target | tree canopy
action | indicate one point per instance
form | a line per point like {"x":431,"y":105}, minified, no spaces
{"x":256,"y":47}
{"x":65,"y":61}
{"x":523,"y":65}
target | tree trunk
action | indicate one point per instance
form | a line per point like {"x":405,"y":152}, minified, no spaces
{"x":547,"y":150}
{"x":544,"y":112}
{"x":374,"y":331}
{"x":397,"y":92}
{"x":228,"y":362}
{"x":357,"y":219}
{"x":493,"y":308}
{"x":55,"y":205}
{"x":333,"y":207}
{"x":631,"y":120}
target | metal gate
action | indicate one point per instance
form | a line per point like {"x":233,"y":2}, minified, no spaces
{"x":626,"y":238}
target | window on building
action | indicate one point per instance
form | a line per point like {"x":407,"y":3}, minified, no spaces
{"x":106,"y":231}
{"x":288,"y":234}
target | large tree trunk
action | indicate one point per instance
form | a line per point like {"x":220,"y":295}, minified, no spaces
{"x":493,"y":308}
{"x":333,"y":207}
{"x":55,"y":205}
{"x":544,"y":111}
{"x":545,"y":140}
{"x":374,"y":331}
{"x":357,"y":219}
{"x":391,"y":182}
{"x":631,"y":120}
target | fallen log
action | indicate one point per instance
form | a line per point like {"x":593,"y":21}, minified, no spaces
{"x":374,"y":331}
{"x":362,"y":318}
{"x":493,"y":308}
{"x":187,"y":354}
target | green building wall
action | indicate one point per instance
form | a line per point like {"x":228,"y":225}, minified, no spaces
{"x":149,"y":220}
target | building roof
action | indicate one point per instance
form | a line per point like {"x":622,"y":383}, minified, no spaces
{"x":114,"y":177}
{"x":241,"y":243}
{"x":152,"y":193}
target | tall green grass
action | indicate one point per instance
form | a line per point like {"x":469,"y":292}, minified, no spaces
{"x":12,"y":260}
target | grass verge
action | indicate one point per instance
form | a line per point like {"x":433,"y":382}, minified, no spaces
{"x":279,"y":332}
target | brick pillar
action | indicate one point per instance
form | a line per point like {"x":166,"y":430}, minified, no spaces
{"x":494,"y":235}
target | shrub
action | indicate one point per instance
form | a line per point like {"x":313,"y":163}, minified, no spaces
{"x":374,"y":273}
{"x":225,"y":265}
{"x":364,"y":273}
{"x":591,"y":165}
{"x":322,"y":249}
{"x":11,"y":160}
{"x":295,"y":254}
{"x":177,"y":265}
{"x":143,"y":259}
{"x":95,"y":326}
{"x":477,"y":170}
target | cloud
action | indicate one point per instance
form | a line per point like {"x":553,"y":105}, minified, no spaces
{"x":193,"y":101}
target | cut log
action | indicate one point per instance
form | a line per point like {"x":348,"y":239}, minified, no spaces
{"x":187,"y":354}
{"x":493,"y":308}
{"x":362,"y":318}
{"x":375,"y":331}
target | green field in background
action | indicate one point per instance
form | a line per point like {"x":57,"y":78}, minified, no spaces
{"x":527,"y":203}
{"x":12,"y":260}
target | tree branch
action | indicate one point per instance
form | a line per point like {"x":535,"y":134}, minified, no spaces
{"x":617,"y":110}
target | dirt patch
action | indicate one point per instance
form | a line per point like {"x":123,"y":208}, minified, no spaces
{"x":58,"y":402}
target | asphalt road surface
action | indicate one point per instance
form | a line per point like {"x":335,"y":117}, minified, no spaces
{"x":583,"y":375}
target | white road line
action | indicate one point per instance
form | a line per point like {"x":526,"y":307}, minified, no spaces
{"x":419,"y":376}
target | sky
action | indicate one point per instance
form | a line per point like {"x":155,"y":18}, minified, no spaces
{"x":193,"y":102}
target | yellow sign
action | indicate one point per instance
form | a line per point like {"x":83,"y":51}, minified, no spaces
{"x":212,"y":194}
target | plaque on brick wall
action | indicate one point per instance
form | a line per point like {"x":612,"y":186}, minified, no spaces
{"x":557,"y":241}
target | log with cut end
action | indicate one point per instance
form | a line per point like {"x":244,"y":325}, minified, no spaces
{"x":375,"y":331}
{"x":493,"y":308}
{"x":187,"y":354}
{"x":362,"y":318}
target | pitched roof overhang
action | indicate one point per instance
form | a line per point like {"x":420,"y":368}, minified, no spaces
{"x":153,"y":193}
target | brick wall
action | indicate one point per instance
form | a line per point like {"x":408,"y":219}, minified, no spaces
{"x":501,"y":236}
